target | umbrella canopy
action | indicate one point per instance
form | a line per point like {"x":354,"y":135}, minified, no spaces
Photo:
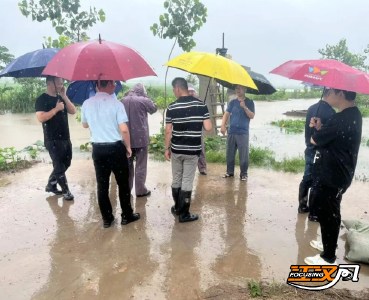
{"x":30,"y":64}
{"x":264,"y":86}
{"x":94,"y":60}
{"x":79,"y":91}
{"x":326,"y":72}
{"x":213,"y":66}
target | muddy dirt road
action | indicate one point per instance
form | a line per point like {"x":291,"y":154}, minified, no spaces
{"x":52,"y":249}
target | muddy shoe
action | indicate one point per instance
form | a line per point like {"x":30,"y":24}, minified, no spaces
{"x":188,"y":218}
{"x":107,"y":223}
{"x":148,"y":193}
{"x":132,"y":218}
{"x":68,"y":196}
{"x":50,"y":188}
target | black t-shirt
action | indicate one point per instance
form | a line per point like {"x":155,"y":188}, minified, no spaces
{"x":57,"y":127}
{"x":187,"y":116}
{"x":338,"y":143}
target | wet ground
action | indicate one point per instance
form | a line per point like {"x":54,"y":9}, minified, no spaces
{"x":53,"y":249}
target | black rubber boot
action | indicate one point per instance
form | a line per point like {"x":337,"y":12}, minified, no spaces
{"x":51,"y":186}
{"x":313,"y":215}
{"x":176,"y":193}
{"x":62,"y":180}
{"x":303,"y":200}
{"x":185,"y":203}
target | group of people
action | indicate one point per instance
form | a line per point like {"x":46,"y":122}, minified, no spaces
{"x":120,"y":137}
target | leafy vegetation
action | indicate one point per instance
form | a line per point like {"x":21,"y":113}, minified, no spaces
{"x":364,"y":111}
{"x":215,"y":148}
{"x":305,"y":93}
{"x":182,"y":19}
{"x":11,"y":159}
{"x":290,"y":126}
{"x":66,"y":18}
{"x":5,"y":57}
{"x":255,"y":289}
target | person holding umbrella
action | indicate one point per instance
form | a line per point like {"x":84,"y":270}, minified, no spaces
{"x":324,"y":111}
{"x":338,"y":142}
{"x":52,"y":110}
{"x":202,"y":159}
{"x":185,"y":120}
{"x":107,"y":120}
{"x":240,"y":111}
{"x":138,"y":106}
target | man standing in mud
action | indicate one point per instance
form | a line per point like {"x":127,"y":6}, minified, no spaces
{"x":185,"y":120}
{"x":202,"y":159}
{"x":52,"y":110}
{"x":323,"y":111}
{"x":107,"y":120}
{"x":338,"y":142}
{"x":241,"y":111}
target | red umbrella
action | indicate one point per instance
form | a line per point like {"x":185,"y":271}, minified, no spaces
{"x":326,"y":72}
{"x":89,"y":60}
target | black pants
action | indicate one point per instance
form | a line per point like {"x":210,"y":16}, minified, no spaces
{"x":61,"y":155}
{"x":329,"y":216}
{"x":108,"y":158}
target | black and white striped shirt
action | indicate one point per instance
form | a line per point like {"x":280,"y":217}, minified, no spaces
{"x":187,"y":116}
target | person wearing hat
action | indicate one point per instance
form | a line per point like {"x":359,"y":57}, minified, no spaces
{"x":240,"y":111}
{"x":201,"y":165}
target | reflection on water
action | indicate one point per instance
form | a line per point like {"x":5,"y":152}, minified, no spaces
{"x":21,"y":130}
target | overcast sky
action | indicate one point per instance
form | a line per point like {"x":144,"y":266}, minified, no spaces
{"x":261,"y":34}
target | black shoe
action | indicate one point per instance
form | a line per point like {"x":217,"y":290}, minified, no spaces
{"x":132,"y":218}
{"x":107,"y":223}
{"x":68,"y":196}
{"x":62,"y":180}
{"x":144,"y":195}
{"x":313,"y":218}
{"x":188,"y":218}
{"x":175,"y":194}
{"x":303,"y":209}
{"x":52,"y":188}
{"x":203,"y":173}
{"x":185,"y":203}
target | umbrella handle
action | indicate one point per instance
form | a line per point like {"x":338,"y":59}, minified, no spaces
{"x":317,"y":112}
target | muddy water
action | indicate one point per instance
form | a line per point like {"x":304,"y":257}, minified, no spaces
{"x":21,"y":130}
{"x":53,"y":249}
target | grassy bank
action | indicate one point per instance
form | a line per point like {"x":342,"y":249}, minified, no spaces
{"x":290,"y":126}
{"x":216,"y":153}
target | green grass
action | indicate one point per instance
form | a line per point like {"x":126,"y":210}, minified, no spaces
{"x":290,"y":126}
{"x":364,"y":111}
{"x":216,"y":153}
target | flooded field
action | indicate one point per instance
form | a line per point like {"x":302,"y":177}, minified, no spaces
{"x":21,"y":130}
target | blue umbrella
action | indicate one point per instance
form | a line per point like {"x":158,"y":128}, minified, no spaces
{"x":29,"y":65}
{"x":79,"y":91}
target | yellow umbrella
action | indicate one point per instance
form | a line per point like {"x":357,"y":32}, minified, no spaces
{"x":214,"y":66}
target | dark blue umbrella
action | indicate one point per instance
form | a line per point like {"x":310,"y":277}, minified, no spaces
{"x":79,"y":91}
{"x":29,"y":65}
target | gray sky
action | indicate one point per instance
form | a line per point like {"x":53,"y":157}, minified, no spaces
{"x":261,"y":34}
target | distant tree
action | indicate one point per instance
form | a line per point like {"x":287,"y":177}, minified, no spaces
{"x":182,"y":19}
{"x":341,"y":53}
{"x":192,"y":79}
{"x":69,"y":22}
{"x":5,"y":57}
